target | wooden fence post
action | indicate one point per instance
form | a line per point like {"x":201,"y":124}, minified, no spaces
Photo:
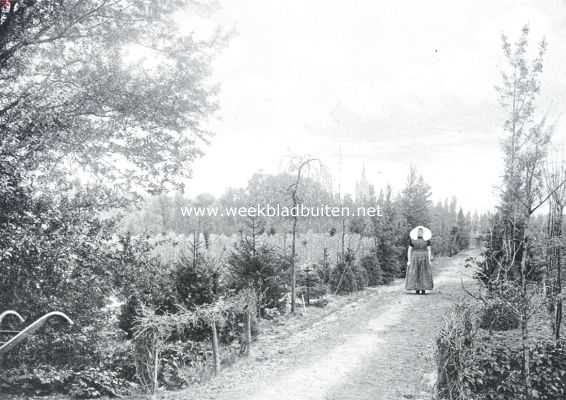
{"x":215,"y":351}
{"x":248,"y":332}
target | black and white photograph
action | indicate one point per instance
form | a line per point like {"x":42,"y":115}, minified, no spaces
{"x":282,"y":200}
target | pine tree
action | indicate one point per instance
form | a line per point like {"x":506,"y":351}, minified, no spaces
{"x":385,"y":238}
{"x":415,"y":200}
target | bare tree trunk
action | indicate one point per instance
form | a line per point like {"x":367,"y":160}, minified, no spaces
{"x":343,"y":238}
{"x":215,"y":350}
{"x":558,"y":320}
{"x":294,"y":189}
{"x":558,"y":260}
{"x":155,"y":369}
{"x":293,"y":271}
{"x":524,"y":319}
{"x":196,"y":245}
{"x":554,"y":263}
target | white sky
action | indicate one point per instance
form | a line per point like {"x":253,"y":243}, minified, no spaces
{"x":389,"y":83}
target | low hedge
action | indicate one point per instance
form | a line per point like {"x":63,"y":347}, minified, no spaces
{"x":494,"y":371}
{"x":491,"y":370}
{"x":43,"y":379}
{"x":498,"y":316}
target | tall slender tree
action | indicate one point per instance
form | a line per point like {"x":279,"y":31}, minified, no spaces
{"x":385,"y":235}
{"x":294,"y":190}
{"x":415,"y":200}
{"x":525,"y":148}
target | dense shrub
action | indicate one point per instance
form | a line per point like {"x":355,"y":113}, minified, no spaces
{"x":183,"y":363}
{"x":375,"y":274}
{"x":56,"y":257}
{"x":317,"y":287}
{"x":261,"y":268}
{"x":143,"y":281}
{"x":129,"y":311}
{"x":83,"y":362}
{"x":43,"y":379}
{"x":474,"y":365}
{"x":197,"y":280}
{"x":494,"y":371}
{"x":231,"y":328}
{"x":323,"y":269}
{"x":348,"y":276}
{"x":498,"y":316}
{"x":453,"y":349}
{"x":57,"y":345}
{"x":140,"y":273}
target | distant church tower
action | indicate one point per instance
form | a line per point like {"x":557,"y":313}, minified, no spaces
{"x":362,"y":187}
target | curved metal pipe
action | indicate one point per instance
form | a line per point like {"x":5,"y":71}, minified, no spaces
{"x":8,"y":313}
{"x":10,"y":344}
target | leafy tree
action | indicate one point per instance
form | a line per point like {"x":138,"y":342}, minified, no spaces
{"x":81,"y":97}
{"x":71,"y":101}
{"x":526,"y":141}
{"x":79,"y":90}
{"x":525,"y":148}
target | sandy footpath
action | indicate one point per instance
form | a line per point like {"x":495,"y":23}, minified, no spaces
{"x":377,"y":345}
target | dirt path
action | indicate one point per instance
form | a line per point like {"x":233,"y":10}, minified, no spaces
{"x":377,"y":346}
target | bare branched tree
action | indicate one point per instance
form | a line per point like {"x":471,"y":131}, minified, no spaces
{"x":294,"y":190}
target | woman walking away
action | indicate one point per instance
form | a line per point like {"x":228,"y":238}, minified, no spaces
{"x":419,"y":258}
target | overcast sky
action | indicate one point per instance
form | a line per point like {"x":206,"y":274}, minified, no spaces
{"x":386,"y":83}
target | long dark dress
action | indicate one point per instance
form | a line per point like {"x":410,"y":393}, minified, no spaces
{"x":419,"y":272}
